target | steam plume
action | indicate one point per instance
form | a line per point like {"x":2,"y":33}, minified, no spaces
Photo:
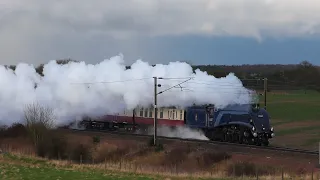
{"x":76,"y":89}
{"x":180,"y":132}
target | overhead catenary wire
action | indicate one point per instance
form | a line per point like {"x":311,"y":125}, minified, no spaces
{"x":173,"y":86}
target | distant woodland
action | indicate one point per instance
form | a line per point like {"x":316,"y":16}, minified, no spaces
{"x":302,"y":76}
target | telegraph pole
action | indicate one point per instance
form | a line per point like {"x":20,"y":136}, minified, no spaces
{"x":155,"y":111}
{"x":265,"y":93}
{"x":155,"y":104}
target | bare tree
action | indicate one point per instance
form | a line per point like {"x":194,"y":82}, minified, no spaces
{"x":38,"y":120}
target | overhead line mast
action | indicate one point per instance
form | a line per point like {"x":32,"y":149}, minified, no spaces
{"x":156,"y":93}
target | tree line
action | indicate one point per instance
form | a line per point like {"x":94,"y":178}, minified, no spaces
{"x":304,"y":75}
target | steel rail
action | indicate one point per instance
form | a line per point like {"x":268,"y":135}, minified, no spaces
{"x":272,"y":148}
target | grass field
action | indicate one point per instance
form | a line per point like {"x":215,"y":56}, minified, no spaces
{"x":14,"y":167}
{"x":295,"y":116}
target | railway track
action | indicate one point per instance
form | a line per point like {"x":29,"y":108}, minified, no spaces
{"x":253,"y":147}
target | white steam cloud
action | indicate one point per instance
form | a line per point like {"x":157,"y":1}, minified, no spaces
{"x":77,"y":89}
{"x":180,"y":132}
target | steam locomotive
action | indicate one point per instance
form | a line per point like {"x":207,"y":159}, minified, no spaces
{"x":246,"y":123}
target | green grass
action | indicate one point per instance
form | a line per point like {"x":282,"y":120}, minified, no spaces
{"x":296,"y":130}
{"x":11,"y":172}
{"x":14,"y":167}
{"x":295,"y":106}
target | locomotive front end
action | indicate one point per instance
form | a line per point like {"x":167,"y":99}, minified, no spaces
{"x":261,"y":128}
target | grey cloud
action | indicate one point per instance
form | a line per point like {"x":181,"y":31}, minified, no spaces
{"x":35,"y":30}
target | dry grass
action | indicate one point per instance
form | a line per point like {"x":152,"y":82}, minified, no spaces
{"x":81,"y":152}
{"x":124,"y":167}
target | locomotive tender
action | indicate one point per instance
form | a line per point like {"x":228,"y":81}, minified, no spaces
{"x":246,"y":123}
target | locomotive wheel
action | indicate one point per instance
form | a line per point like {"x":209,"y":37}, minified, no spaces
{"x":250,"y":141}
{"x":240,"y":135}
{"x":240,"y":138}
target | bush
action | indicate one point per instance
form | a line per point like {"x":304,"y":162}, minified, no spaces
{"x":150,"y":142}
{"x":176,"y":156}
{"x":15,"y":130}
{"x":53,"y":146}
{"x":249,"y":169}
{"x":104,"y":151}
{"x":159,"y":147}
{"x":96,"y":139}
{"x":58,"y":149}
{"x":38,"y":120}
{"x":81,"y":153}
{"x":206,"y":159}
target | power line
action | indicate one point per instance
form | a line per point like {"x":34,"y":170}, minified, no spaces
{"x":173,"y":86}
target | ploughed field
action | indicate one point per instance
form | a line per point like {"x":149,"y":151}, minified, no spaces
{"x":295,"y":115}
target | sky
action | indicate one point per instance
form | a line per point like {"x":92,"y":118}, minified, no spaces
{"x":160,"y":31}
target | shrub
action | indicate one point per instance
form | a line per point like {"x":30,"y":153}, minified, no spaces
{"x":96,"y":139}
{"x":208,"y":158}
{"x":176,"y":156}
{"x":58,"y":148}
{"x":249,"y":169}
{"x":38,"y":120}
{"x":15,"y":130}
{"x":104,"y":151}
{"x":159,"y":147}
{"x":80,"y":153}
{"x":150,"y":142}
{"x":53,"y":146}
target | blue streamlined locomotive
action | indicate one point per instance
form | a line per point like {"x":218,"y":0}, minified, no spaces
{"x":247,"y":123}
{"x":236,"y":123}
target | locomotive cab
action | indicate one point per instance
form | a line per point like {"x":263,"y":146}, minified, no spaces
{"x":255,"y":107}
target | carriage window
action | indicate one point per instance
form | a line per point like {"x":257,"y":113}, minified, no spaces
{"x":161,"y":113}
{"x":180,"y":114}
{"x":141,"y":112}
{"x":150,"y":112}
{"x":196,"y":117}
{"x":146,"y":113}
